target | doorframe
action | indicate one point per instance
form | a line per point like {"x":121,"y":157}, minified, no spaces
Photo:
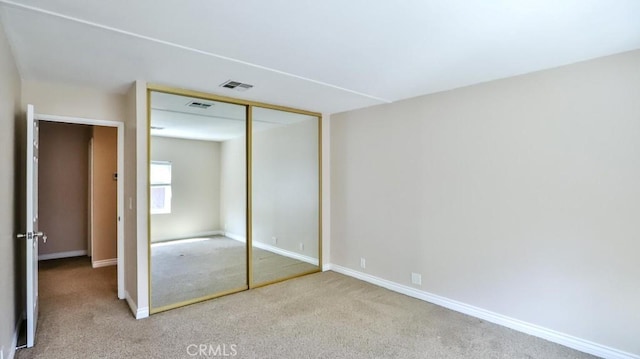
{"x":120,"y":183}
{"x":90,"y":203}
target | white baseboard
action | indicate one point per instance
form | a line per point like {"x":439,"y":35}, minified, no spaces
{"x":104,"y":263}
{"x":44,"y":257}
{"x":516,"y":324}
{"x":193,"y":235}
{"x":138,"y":313}
{"x":14,"y":340}
{"x":142,"y":313}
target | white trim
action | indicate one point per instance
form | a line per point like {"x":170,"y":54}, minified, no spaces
{"x":120,"y":183}
{"x":326,"y":190}
{"x":195,"y":235}
{"x":139,"y":313}
{"x":120,"y":218}
{"x":69,"y":254}
{"x":77,"y":120}
{"x":516,"y":324}
{"x":142,"y":313}
{"x":90,"y":201}
{"x":104,"y":263}
{"x":14,"y":340}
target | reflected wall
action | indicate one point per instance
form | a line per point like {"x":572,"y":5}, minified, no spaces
{"x":285,"y":194}
{"x":197,"y":199}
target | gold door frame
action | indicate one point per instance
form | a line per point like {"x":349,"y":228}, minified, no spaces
{"x":249,"y":164}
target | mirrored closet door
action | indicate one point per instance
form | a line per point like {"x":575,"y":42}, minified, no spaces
{"x":197,"y":196}
{"x":285,"y":192}
{"x":234,"y":196}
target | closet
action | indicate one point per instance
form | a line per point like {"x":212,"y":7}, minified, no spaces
{"x":234,"y":189}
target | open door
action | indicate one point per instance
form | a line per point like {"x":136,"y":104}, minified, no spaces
{"x":31,"y":236}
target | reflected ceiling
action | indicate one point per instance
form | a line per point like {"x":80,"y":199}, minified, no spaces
{"x":192,"y":118}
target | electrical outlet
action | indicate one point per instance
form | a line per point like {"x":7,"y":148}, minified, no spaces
{"x":275,"y":240}
{"x":302,"y":246}
{"x":416,"y":278}
{"x":363,"y":263}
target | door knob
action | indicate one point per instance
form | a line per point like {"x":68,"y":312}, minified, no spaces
{"x":33,"y":235}
{"x":41,"y":234}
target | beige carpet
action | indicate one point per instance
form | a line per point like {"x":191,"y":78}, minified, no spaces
{"x":324,"y":315}
{"x":185,"y":270}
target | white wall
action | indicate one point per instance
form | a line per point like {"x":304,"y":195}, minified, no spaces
{"x":519,"y":196}
{"x":73,"y":101}
{"x":195,"y":187}
{"x":136,"y":241}
{"x":140,"y":303}
{"x":11,"y":305}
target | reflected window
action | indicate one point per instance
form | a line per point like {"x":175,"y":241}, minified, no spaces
{"x":160,"y":191}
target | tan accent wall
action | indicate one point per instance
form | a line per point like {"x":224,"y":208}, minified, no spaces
{"x":104,"y":198}
{"x":11,"y":121}
{"x":63,"y":187}
{"x":518,"y":196}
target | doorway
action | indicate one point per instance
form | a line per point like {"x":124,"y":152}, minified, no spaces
{"x":101,"y":132}
{"x":78,"y":192}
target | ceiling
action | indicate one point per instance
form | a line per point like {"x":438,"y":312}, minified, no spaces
{"x":325,"y":56}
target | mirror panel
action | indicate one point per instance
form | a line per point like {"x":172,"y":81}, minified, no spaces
{"x":197,"y":199}
{"x":285,"y":195}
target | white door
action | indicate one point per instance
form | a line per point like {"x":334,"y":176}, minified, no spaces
{"x":32,"y":235}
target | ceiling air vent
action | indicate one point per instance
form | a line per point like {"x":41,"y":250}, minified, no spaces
{"x":198,"y":104}
{"x":235,"y":85}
